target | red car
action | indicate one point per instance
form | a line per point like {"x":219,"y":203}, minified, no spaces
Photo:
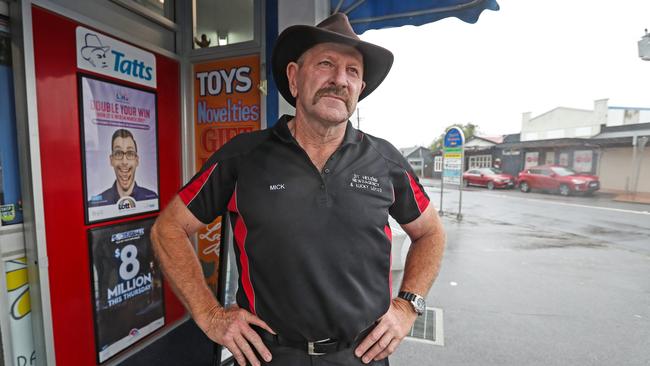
{"x":557,"y":179}
{"x":488,"y":177}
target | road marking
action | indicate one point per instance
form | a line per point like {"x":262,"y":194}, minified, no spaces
{"x":569,"y":204}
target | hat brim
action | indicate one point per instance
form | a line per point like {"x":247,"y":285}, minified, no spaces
{"x":297,"y":39}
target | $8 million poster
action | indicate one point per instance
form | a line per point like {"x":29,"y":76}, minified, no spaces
{"x":127,"y":286}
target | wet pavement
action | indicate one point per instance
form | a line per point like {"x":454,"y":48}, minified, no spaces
{"x":540,"y":279}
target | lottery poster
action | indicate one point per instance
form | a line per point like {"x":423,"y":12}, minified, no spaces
{"x":120,"y":151}
{"x":127,"y":286}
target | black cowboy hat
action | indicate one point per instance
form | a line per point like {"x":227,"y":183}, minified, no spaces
{"x":297,"y":39}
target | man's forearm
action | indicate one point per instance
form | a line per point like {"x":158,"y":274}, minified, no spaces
{"x":423,"y":262}
{"x":183,"y":270}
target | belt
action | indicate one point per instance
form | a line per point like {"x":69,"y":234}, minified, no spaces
{"x":313,"y":348}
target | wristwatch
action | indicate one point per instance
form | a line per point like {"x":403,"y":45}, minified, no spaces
{"x":417,"y":301}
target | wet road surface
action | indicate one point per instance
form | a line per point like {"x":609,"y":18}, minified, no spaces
{"x":539,"y":279}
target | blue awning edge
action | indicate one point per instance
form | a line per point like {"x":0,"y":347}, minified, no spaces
{"x":377,"y":14}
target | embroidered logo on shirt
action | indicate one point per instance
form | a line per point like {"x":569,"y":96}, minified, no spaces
{"x":276,"y":187}
{"x":365,"y":182}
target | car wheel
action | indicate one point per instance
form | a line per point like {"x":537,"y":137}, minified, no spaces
{"x":524,"y":187}
{"x":564,"y":190}
{"x":466,"y":183}
{"x":490,"y":185}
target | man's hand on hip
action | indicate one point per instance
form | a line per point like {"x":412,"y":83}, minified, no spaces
{"x":231,"y":328}
{"x":389,"y":332}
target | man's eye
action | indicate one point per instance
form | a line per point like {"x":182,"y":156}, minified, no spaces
{"x":326,"y":63}
{"x":353,"y":71}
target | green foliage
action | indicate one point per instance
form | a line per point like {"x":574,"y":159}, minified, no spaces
{"x":469,"y":129}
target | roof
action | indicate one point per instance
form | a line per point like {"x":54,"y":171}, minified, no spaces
{"x":513,"y":137}
{"x":549,"y":143}
{"x":493,"y":139}
{"x":637,"y":129}
{"x":406,"y":151}
{"x":628,"y":108}
{"x":558,"y":108}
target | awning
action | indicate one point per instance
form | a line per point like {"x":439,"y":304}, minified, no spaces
{"x":378,"y":14}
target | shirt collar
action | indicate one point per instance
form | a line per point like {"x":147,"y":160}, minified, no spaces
{"x":281,"y":129}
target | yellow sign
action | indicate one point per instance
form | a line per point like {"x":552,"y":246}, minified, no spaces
{"x":452,"y":155}
{"x":226,"y":104}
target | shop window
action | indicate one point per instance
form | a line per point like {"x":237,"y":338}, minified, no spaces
{"x":480,"y":161}
{"x":437,"y":164}
{"x":151,"y":8}
{"x":549,"y":158}
{"x":219,"y":23}
{"x":10,"y":203}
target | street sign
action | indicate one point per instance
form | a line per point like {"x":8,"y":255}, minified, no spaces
{"x":452,"y":167}
{"x":454,"y":138}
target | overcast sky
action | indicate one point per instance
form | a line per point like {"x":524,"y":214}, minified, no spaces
{"x":530,"y":56}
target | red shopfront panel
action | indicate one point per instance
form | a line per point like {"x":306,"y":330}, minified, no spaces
{"x":61,"y":164}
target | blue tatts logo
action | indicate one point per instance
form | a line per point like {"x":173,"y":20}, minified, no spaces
{"x":135,"y":68}
{"x":101,"y":56}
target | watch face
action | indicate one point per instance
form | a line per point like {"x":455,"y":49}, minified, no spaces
{"x":420,"y":305}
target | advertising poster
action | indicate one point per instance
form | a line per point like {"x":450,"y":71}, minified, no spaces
{"x":532,"y":159}
{"x":582,"y":161}
{"x":119,"y":149}
{"x":127,"y":286}
{"x":226,"y":104}
{"x":20,"y":312}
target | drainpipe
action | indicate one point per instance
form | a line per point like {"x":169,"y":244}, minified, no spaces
{"x":641,"y":142}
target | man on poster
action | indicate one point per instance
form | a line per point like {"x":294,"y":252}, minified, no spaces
{"x":124,"y":160}
{"x":310,"y":200}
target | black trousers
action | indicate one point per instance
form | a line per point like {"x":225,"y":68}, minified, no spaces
{"x":288,"y":356}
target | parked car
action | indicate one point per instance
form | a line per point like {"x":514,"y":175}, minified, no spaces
{"x":557,"y":178}
{"x":488,"y":177}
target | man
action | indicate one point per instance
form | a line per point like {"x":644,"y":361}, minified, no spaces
{"x":125,"y":160}
{"x":310,"y":200}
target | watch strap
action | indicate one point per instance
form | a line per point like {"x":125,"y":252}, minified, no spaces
{"x":408,"y":296}
{"x":418,"y":306}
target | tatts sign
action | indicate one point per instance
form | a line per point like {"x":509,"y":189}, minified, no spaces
{"x":226,"y":104}
{"x":108,"y":56}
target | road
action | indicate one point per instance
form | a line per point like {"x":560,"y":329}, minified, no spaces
{"x":539,"y":279}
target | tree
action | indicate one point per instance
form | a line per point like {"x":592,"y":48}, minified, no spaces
{"x":469,"y":129}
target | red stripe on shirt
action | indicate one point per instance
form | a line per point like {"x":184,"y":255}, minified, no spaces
{"x":389,"y":235}
{"x":240,"y":239}
{"x":420,"y":197}
{"x":190,"y":191}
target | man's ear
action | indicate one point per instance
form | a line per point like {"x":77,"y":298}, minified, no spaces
{"x":363,"y":86}
{"x":292,"y":74}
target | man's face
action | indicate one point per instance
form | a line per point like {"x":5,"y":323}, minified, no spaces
{"x":124,"y":167}
{"x":327,"y":82}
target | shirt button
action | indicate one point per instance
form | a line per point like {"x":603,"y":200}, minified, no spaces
{"x":327,"y":171}
{"x":322,"y":186}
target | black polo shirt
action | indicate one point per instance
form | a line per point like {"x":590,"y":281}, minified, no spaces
{"x":313,"y":249}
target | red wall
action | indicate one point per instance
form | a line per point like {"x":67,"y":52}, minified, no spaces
{"x":61,"y":164}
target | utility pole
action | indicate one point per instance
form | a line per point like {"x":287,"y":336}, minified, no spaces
{"x":358,"y":119}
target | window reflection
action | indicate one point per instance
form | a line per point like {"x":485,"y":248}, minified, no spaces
{"x":222,"y":22}
{"x":10,"y":202}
